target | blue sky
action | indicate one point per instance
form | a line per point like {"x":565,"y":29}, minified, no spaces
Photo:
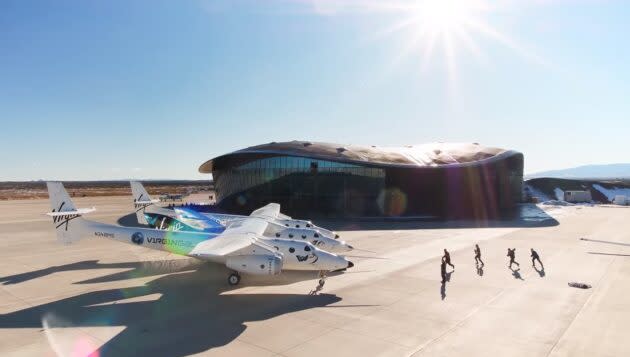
{"x":151,"y":89}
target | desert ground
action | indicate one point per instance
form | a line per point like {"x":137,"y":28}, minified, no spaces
{"x":37,"y":189}
{"x":105,"y":298}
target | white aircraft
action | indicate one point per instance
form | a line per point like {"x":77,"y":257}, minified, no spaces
{"x":187,"y":219}
{"x":240,"y":246}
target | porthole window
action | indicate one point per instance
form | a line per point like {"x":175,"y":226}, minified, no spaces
{"x":291,"y":250}
{"x":316,"y":235}
{"x":262,"y":266}
{"x":277,"y":234}
{"x":307,"y":249}
{"x":290,"y":235}
{"x":297,"y":226}
{"x":303,"y":236}
{"x":286,"y":224}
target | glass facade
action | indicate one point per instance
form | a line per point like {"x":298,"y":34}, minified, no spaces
{"x":300,"y":184}
{"x":309,"y":187}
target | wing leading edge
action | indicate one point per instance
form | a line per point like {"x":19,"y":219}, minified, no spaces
{"x":236,"y":237}
{"x":270,"y":211}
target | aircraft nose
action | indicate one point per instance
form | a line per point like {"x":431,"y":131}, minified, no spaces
{"x":350,"y":264}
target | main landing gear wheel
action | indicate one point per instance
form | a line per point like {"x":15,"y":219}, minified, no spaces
{"x":234,"y":279}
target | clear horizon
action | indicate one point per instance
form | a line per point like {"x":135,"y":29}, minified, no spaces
{"x":152,"y":89}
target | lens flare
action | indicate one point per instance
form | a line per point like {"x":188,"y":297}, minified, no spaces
{"x":66,"y":341}
{"x":392,"y":202}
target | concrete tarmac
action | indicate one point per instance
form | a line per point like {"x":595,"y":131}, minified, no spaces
{"x":105,"y":298}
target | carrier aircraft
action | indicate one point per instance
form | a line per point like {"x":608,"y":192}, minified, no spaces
{"x":240,"y":245}
{"x":278,"y":225}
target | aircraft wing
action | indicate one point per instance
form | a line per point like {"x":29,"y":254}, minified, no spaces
{"x":271,"y":210}
{"x":237,"y":236}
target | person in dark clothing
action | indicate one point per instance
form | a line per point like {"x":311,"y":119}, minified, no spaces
{"x":512,"y":254}
{"x":443,"y":271}
{"x":536,"y":257}
{"x":477,"y":251}
{"x":447,"y":258}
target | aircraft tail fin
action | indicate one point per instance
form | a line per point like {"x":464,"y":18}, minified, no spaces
{"x":141,"y":200}
{"x":66,"y":217}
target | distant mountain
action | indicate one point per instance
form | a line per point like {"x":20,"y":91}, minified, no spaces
{"x":588,"y":171}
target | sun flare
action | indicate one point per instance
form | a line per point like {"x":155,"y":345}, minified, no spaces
{"x":440,"y":16}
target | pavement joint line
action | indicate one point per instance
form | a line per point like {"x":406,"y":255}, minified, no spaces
{"x":380,"y":308}
{"x":324,"y":331}
{"x":459,"y":323}
{"x":247,"y":343}
{"x":353,"y":319}
{"x":582,"y":307}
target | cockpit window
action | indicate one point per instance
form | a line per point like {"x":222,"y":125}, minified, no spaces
{"x":309,"y":225}
{"x":277,"y":234}
{"x":307,"y":249}
{"x":286,"y":224}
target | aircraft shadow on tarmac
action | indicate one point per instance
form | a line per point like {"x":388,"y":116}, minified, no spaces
{"x":615,"y":254}
{"x":191,"y":314}
{"x":134,"y":270}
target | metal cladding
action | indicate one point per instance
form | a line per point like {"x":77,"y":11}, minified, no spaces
{"x":452,"y":180}
{"x":426,"y":155}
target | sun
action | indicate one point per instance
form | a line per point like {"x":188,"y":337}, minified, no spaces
{"x":439,"y":16}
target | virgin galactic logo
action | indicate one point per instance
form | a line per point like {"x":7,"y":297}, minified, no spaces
{"x":137,"y":238}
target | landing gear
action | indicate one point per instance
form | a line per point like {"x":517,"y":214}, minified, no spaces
{"x":320,"y":285}
{"x":234,"y":279}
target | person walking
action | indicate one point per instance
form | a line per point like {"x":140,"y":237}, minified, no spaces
{"x":477,"y":251}
{"x":443,"y":271}
{"x":512,"y":254}
{"x":447,"y":258}
{"x":536,"y":257}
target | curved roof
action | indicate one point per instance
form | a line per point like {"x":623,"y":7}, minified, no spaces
{"x":425,"y":155}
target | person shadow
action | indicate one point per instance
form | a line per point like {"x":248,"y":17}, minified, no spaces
{"x":516,"y":273}
{"x":447,"y":278}
{"x":540,"y":271}
{"x":480,"y":269}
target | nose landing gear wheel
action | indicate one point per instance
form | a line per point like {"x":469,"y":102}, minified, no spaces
{"x":234,"y":279}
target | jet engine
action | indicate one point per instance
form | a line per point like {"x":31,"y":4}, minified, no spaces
{"x":255,"y":264}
